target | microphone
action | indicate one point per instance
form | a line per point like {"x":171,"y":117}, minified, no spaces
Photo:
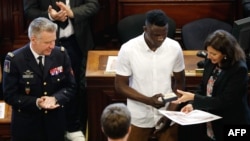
{"x":202,"y":54}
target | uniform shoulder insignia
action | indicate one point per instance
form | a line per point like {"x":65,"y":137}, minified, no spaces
{"x":11,"y":54}
{"x":62,"y":49}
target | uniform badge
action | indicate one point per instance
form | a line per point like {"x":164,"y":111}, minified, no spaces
{"x":6,"y":66}
{"x":27,"y":90}
{"x":56,"y":71}
{"x":28,"y":74}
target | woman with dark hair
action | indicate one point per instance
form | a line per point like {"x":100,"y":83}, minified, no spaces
{"x":222,"y":91}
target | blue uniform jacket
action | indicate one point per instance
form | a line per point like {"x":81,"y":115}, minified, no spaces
{"x":24,"y":82}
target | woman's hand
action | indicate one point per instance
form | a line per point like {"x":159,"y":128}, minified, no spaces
{"x":185,"y":96}
{"x":188,"y":108}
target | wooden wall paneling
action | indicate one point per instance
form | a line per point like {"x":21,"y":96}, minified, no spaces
{"x":13,"y":26}
{"x":13,"y":32}
{"x":98,"y":98}
{"x":20,"y":25}
{"x":104,"y":23}
{"x":5,"y":24}
{"x":239,"y":10}
{"x":182,"y":11}
{"x":104,"y":17}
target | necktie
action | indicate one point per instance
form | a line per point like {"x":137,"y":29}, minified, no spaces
{"x":40,"y":63}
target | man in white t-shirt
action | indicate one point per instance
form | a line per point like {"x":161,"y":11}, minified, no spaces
{"x":145,"y":67}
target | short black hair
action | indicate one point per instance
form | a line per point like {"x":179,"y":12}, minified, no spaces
{"x":156,"y":17}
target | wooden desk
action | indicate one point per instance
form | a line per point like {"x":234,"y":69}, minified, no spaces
{"x":101,"y":92}
{"x":5,"y":124}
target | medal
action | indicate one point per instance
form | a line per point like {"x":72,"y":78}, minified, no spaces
{"x":27,"y":90}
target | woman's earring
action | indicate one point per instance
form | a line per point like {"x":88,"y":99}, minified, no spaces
{"x":225,"y":58}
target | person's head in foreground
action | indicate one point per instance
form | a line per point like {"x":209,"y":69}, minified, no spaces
{"x":115,"y":122}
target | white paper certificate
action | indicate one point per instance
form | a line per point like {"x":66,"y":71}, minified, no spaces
{"x":193,"y":117}
{"x":2,"y":110}
{"x":111,"y":64}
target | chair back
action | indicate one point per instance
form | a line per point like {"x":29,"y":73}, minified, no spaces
{"x":195,"y":33}
{"x":132,"y":26}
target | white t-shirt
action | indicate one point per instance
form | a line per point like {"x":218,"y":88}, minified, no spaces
{"x":150,"y":73}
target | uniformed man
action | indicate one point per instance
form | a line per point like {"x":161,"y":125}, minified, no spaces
{"x":38,"y":89}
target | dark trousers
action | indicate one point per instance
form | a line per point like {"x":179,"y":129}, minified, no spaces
{"x":75,"y":54}
{"x":146,"y":134}
{"x":193,"y":133}
{"x":74,"y":106}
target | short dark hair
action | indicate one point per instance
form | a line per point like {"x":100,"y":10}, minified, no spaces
{"x":156,"y":17}
{"x":115,"y":120}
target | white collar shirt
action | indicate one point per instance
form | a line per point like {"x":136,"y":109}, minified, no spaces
{"x":150,"y":73}
{"x":37,"y":55}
